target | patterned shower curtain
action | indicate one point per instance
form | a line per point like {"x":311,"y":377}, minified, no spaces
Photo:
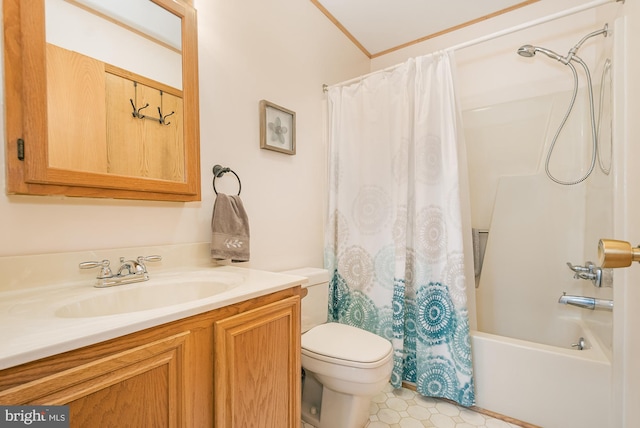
{"x":394,"y":237}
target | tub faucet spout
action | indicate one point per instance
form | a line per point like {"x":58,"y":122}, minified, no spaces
{"x":586,"y":302}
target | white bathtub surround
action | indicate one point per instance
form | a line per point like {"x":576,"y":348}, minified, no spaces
{"x":524,"y":367}
{"x":394,"y":239}
{"x":536,"y":225}
{"x":523,"y":360}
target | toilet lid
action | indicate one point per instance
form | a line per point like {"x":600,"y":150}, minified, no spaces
{"x":346,"y":343}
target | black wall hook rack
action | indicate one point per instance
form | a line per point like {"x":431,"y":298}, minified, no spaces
{"x":161,"y":119}
{"x":219,"y":171}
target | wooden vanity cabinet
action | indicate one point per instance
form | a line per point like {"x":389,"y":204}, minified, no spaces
{"x":238,"y":366}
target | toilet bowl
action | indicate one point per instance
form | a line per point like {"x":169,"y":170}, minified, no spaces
{"x":343,"y":366}
{"x":352,"y":365}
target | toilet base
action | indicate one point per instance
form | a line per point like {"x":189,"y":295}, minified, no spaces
{"x":325,"y":408}
{"x":345,"y":411}
{"x":311,"y":400}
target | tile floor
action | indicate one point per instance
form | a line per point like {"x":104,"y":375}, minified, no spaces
{"x":404,"y":408}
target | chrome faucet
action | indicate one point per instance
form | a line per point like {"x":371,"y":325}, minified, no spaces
{"x":597,"y":275}
{"x":130,"y":271}
{"x":133,"y":267}
{"x":586,"y":302}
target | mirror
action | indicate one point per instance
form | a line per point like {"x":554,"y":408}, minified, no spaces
{"x":102,"y":98}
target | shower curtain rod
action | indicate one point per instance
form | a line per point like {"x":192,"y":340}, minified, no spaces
{"x":473,"y":42}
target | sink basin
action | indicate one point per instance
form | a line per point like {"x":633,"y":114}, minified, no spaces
{"x":143,"y":296}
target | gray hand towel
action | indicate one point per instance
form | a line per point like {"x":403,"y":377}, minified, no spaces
{"x":229,"y":229}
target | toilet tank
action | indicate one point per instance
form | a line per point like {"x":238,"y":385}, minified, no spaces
{"x":315,"y":305}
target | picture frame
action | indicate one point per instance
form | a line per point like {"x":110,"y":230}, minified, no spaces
{"x":277,"y":128}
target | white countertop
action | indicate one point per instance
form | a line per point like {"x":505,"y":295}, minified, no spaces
{"x":30,"y":327}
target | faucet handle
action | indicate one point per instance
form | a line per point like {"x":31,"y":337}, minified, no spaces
{"x":154,"y":258}
{"x":578,"y":269}
{"x":105,"y":271}
{"x":590,"y":272}
{"x":143,"y":259}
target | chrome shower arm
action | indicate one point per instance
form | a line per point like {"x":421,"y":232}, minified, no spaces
{"x":574,"y":49}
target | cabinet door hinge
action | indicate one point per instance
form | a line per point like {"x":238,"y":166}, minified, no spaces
{"x":20,"y":149}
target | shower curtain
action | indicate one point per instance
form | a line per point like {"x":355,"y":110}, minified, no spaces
{"x":394,"y":240}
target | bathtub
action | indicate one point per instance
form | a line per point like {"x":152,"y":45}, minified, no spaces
{"x":545,"y":385}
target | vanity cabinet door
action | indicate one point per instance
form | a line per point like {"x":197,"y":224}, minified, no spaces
{"x":257,"y":367}
{"x":139,"y":387}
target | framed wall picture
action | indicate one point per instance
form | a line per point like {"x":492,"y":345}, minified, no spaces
{"x":277,"y":128}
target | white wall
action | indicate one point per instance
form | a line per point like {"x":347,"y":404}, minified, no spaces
{"x":280,"y":50}
{"x":547,"y":224}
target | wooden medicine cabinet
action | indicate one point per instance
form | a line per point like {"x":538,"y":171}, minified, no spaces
{"x":102,"y":103}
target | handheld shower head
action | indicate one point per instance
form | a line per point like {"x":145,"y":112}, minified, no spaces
{"x":528,"y":51}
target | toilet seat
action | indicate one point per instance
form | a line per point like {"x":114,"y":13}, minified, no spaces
{"x":345,"y":345}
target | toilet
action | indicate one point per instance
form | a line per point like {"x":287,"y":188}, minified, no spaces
{"x":343,"y":366}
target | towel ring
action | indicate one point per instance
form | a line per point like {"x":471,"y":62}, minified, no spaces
{"x":219,"y":171}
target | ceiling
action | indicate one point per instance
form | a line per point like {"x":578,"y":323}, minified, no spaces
{"x":378,"y":27}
